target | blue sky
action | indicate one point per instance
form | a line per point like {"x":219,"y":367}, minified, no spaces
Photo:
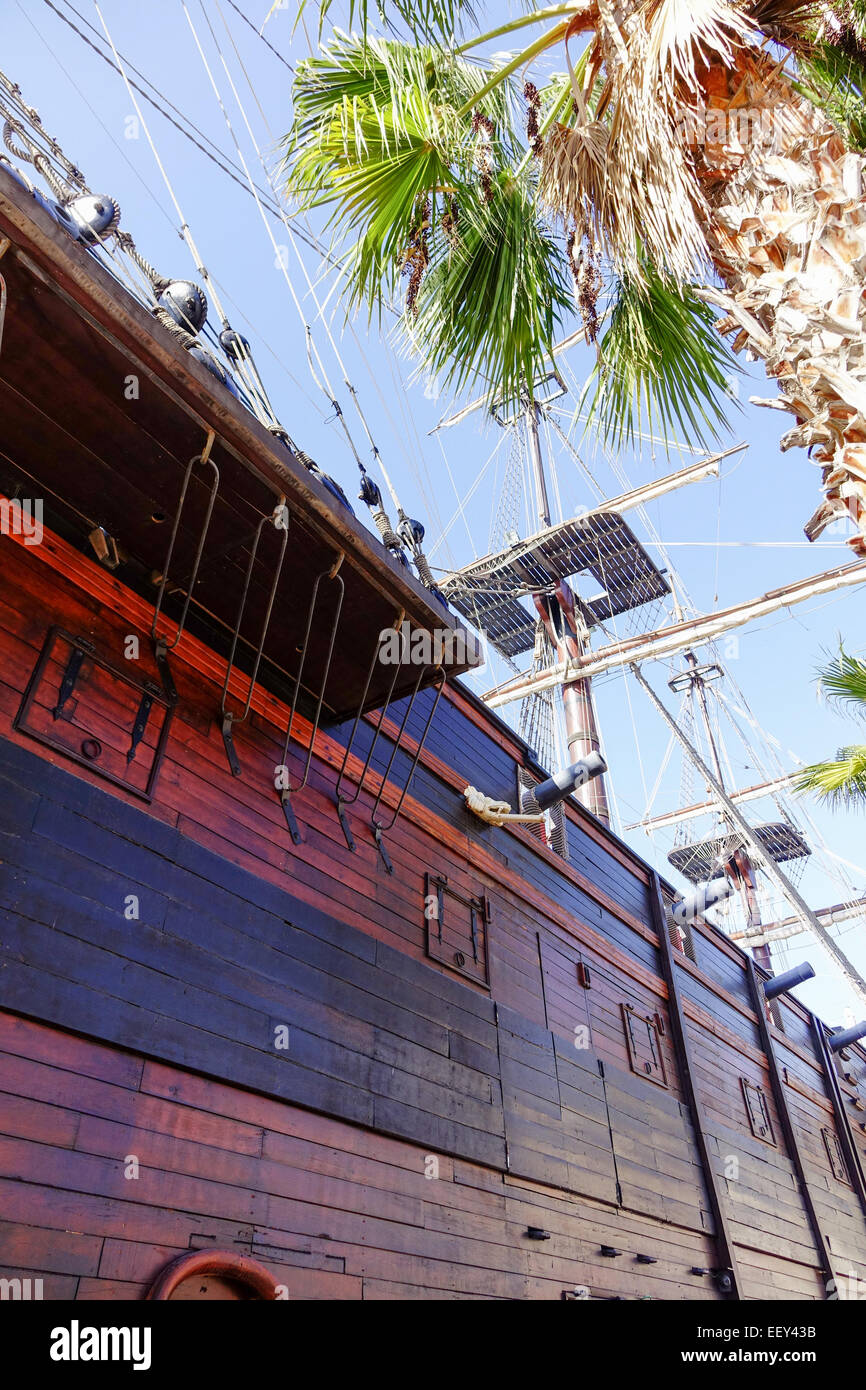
{"x":729,"y":540}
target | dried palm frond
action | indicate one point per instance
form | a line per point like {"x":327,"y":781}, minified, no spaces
{"x":572,"y":181}
{"x":685,"y":37}
{"x":572,"y":178}
{"x":651,"y":196}
{"x":625,"y":181}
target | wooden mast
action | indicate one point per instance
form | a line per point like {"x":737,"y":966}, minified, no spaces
{"x":569,"y":637}
{"x":739,"y":866}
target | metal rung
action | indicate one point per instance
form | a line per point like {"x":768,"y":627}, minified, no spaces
{"x":279,"y":519}
{"x":344,"y":801}
{"x":2,"y":305}
{"x":333,"y":575}
{"x":203,"y":458}
{"x":378,"y":827}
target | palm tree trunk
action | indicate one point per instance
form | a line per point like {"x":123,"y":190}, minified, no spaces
{"x":788,"y":239}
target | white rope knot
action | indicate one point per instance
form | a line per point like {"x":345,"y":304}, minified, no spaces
{"x":494,"y":812}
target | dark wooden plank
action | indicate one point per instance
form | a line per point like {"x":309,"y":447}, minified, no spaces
{"x":679,"y":1029}
{"x":778,"y":1086}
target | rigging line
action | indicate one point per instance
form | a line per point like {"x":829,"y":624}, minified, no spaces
{"x":291,"y":235}
{"x":554,"y":471}
{"x":242,"y":65}
{"x":645,"y":438}
{"x":155,"y":104}
{"x":68,"y":75}
{"x":608,"y":587}
{"x":461,"y":502}
{"x":347,"y":382}
{"x":31,"y":129}
{"x":718,"y":540}
{"x":279,"y":259}
{"x":258,"y":33}
{"x":141,"y":289}
{"x":856,"y":867}
{"x":494,"y":497}
{"x":802,"y":812}
{"x":311,"y":239}
{"x":626,"y":482}
{"x":568,"y":444}
{"x":753,"y":545}
{"x":328,"y":262}
{"x":167,"y":100}
{"x":36,"y":148}
{"x":418,"y":462}
{"x":723,"y":746}
{"x":306,"y":236}
{"x":754,"y":753}
{"x":185,"y":230}
{"x":663,"y":767}
{"x":243,"y":317}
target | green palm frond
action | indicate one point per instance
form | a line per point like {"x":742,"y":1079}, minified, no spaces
{"x":844,"y":679}
{"x":379,"y":137}
{"x":350,"y":72}
{"x":492,"y":302}
{"x":420,"y":18}
{"x":840,"y":782}
{"x":833,"y":78}
{"x":662,"y":367}
{"x":376,"y":170}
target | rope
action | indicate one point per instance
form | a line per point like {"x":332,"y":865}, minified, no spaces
{"x":185,"y":230}
{"x":323,"y":384}
{"x":32,"y":154}
{"x":408,"y":532}
{"x":496,"y":812}
{"x":217,"y":158}
{"x":125,"y":240}
{"x":461,"y":502}
{"x":259,"y":35}
{"x":290,"y":233}
{"x":157,"y":281}
{"x":31,"y":117}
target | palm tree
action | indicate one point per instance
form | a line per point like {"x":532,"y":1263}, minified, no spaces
{"x":693,"y":174}
{"x":841,"y":781}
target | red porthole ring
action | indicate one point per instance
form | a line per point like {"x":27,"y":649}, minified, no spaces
{"x":224,"y":1263}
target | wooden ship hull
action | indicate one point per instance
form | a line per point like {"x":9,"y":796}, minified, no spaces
{"x":266,"y":1047}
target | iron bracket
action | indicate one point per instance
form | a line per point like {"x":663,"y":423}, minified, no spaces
{"x":70,"y":676}
{"x":229,"y":742}
{"x":332,"y":574}
{"x":344,"y":822}
{"x":160,"y":656}
{"x":141,"y":719}
{"x":289,"y":813}
{"x":380,"y":845}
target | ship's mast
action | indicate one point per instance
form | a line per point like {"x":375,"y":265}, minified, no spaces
{"x":739,"y":866}
{"x":541,"y":568}
{"x":569,"y":638}
{"x":537,"y":462}
{"x":764,"y":856}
